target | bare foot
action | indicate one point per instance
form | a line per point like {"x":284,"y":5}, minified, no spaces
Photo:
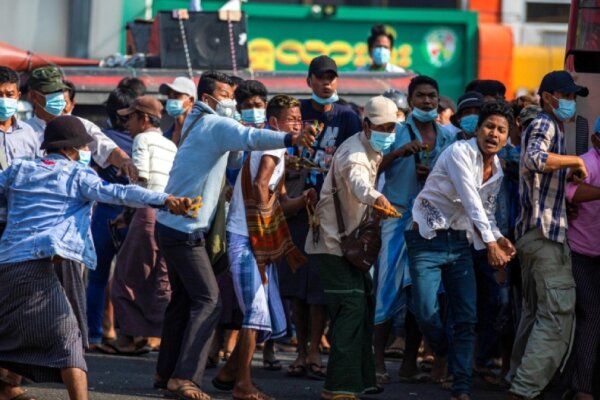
{"x":439,"y":369}
{"x":8,"y":392}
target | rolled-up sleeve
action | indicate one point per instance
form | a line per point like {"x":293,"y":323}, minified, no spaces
{"x":141,"y":156}
{"x":101,"y":147}
{"x":539,"y":139}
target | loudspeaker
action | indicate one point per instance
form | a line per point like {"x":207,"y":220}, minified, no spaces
{"x":212,"y":43}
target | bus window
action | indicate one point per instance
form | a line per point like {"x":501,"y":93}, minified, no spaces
{"x":587,"y":36}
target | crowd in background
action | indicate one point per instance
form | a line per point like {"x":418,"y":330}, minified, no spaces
{"x":226,"y":233}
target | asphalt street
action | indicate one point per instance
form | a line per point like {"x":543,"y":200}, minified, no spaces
{"x":129,"y":378}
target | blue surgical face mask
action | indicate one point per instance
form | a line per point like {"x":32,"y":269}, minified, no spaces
{"x":381,"y":141}
{"x":174,"y":107}
{"x":334,"y":97}
{"x":237,"y":116}
{"x":55,"y":103}
{"x":85,"y":157}
{"x":254,"y":116}
{"x":424,"y":116}
{"x":8,"y":108}
{"x":381,"y":55}
{"x":468,"y":123}
{"x":566,"y":109}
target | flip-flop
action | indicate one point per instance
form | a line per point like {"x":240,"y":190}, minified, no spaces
{"x":186,"y":387}
{"x":383,"y":378}
{"x":315,"y":371}
{"x":274,"y":365}
{"x":296,"y":371}
{"x":111,"y":348}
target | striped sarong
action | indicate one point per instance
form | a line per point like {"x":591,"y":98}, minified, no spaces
{"x":391,"y":275}
{"x":260,"y":303}
{"x":40,"y":334}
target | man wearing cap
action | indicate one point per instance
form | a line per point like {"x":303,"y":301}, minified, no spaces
{"x":49,"y":203}
{"x":47,"y":94}
{"x":140,"y":291}
{"x":349,"y":292}
{"x":467,"y":115}
{"x":446,"y":109}
{"x":544,"y":331}
{"x":419,"y":142}
{"x":181,"y":94}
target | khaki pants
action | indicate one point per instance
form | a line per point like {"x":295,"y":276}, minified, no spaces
{"x":546,"y":326}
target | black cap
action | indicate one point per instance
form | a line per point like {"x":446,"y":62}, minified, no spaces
{"x":470,"y":99}
{"x":561,"y":81}
{"x":321,"y":64}
{"x":65,"y":131}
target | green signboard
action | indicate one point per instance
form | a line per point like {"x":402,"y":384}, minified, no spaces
{"x":442,"y":44}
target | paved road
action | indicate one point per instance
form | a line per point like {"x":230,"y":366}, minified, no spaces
{"x":127,"y":378}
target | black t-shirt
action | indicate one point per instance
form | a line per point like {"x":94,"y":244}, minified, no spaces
{"x":340,"y":123}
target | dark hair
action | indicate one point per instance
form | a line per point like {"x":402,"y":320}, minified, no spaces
{"x":235,"y":80}
{"x":248,"y":89}
{"x":118,"y":99}
{"x":279,"y":103}
{"x":498,"y":107}
{"x":70,"y":89}
{"x":379,"y":30}
{"x":135,"y":85}
{"x":487,"y":87}
{"x":208,"y":82}
{"x":8,"y":75}
{"x":154,"y":120}
{"x":421,"y":80}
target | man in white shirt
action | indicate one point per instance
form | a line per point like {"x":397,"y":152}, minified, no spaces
{"x":457,"y":206}
{"x":47,"y":95}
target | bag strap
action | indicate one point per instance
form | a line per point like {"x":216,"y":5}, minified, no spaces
{"x":190,"y":126}
{"x":337,"y":205}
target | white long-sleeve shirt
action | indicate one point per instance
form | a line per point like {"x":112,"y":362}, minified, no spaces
{"x":101,"y":147}
{"x":455,"y":196}
{"x":153,"y":156}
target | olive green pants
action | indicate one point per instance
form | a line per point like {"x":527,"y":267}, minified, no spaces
{"x":351,"y":306}
{"x":546,"y":325}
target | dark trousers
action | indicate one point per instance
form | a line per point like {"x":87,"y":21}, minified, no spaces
{"x":194,"y":309}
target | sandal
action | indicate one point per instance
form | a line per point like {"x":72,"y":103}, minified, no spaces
{"x":296,"y":371}
{"x":112,"y":348}
{"x":315,"y":371}
{"x":24,"y":396}
{"x":383,"y":378}
{"x":327,"y":395}
{"x":274,"y":365}
{"x":188,"y":387}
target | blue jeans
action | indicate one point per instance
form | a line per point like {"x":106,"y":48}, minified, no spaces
{"x":493,"y":308}
{"x":445,"y":259}
{"x":98,"y":278}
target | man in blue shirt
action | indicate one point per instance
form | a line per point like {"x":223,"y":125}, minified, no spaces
{"x":103,"y":215}
{"x":49,"y":207}
{"x":209,"y":134}
{"x":419,"y":142}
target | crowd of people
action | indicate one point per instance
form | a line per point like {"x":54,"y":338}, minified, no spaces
{"x":228,"y":232}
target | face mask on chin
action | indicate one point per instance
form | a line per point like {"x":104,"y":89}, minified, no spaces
{"x":424,"y":116}
{"x":330,"y":100}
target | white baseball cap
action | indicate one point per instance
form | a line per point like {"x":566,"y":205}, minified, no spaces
{"x":181,"y":84}
{"x":381,"y":110}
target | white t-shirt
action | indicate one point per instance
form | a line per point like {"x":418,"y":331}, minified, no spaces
{"x":236,"y":220}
